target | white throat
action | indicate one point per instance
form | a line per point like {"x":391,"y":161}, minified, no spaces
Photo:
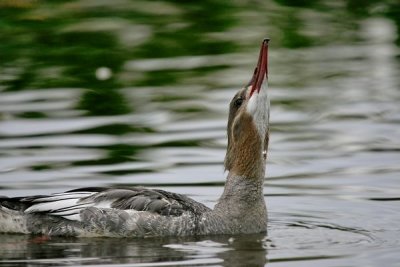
{"x":258,"y":108}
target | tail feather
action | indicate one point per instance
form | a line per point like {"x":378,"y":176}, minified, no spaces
{"x":14,"y":203}
{"x":12,"y":219}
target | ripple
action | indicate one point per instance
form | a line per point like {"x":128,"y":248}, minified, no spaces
{"x":306,"y":236}
{"x":333,"y":172}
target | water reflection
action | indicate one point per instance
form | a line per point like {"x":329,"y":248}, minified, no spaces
{"x":119,"y":93}
{"x":19,"y":250}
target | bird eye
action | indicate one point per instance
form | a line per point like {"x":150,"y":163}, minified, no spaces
{"x":238,"y":102}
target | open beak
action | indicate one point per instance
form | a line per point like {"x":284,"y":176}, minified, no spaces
{"x":261,"y":71}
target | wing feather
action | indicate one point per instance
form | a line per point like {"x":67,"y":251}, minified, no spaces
{"x":50,"y":206}
{"x":70,"y":204}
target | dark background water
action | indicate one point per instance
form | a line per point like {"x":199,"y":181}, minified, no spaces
{"x":96,"y":93}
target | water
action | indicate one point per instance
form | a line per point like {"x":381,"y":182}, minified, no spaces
{"x":96,"y":93}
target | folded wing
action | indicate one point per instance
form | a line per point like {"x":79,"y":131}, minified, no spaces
{"x":70,"y":204}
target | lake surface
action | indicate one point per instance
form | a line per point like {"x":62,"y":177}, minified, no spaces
{"x":111,"y":93}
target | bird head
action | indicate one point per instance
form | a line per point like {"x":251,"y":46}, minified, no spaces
{"x":248,"y":123}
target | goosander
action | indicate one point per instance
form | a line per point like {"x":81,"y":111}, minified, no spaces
{"x":141,"y":212}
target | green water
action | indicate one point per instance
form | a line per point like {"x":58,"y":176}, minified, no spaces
{"x":109,"y":93}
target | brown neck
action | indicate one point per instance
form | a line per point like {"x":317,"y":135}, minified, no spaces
{"x":244,"y":156}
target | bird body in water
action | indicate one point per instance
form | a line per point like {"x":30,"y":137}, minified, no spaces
{"x":141,"y":212}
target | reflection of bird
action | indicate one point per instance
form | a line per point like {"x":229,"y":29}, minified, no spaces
{"x":138,"y":211}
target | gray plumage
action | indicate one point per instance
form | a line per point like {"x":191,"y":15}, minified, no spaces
{"x":140,"y":212}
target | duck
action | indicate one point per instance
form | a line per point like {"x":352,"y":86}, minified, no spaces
{"x":143,"y":212}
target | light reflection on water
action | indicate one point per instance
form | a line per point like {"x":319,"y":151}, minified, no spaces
{"x":159,"y":120}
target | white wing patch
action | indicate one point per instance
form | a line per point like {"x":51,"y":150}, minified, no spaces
{"x":67,"y":205}
{"x":70,"y":205}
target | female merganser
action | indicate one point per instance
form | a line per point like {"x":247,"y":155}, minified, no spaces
{"x":140,"y":212}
